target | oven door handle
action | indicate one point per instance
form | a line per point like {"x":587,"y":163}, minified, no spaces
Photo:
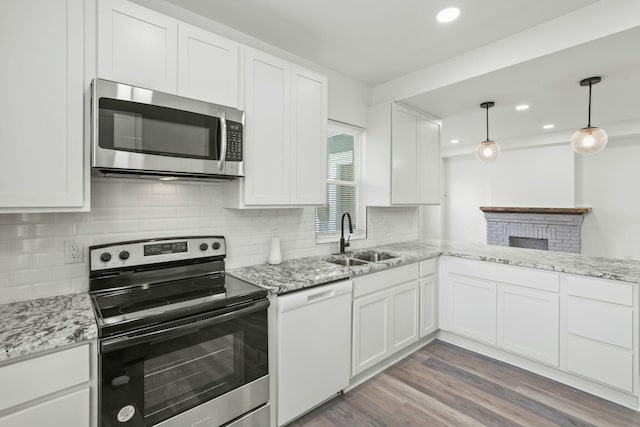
{"x":118,"y":343}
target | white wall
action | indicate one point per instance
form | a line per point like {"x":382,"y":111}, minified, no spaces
{"x":552,"y":176}
{"x":608,"y":182}
{"x":31,"y":245}
{"x":348,"y":98}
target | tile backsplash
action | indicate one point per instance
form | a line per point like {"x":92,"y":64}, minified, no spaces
{"x":32,"y":245}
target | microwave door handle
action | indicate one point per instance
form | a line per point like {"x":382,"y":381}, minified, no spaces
{"x":223,"y":133}
{"x":118,"y":343}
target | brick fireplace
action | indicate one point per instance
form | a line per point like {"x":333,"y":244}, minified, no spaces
{"x":553,"y":229}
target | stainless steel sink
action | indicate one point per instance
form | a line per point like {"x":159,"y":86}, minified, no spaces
{"x":347,"y":262}
{"x":373,"y":256}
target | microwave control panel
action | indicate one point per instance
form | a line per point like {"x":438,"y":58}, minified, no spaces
{"x":234,"y":141}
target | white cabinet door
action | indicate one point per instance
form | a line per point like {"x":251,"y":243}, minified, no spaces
{"x":207,"y":66}
{"x":404,"y":315}
{"x":427,"y":305}
{"x":472,"y":307}
{"x":137,"y":46}
{"x":41,"y":113}
{"x":267,"y":135}
{"x":529,"y":322}
{"x":308,"y":137}
{"x":404,"y":149}
{"x":370,"y":330}
{"x":429,"y":163}
{"x":71,"y":410}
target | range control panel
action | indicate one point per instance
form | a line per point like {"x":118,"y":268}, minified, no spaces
{"x":152,"y":251}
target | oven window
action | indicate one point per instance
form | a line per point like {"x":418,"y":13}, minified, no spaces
{"x":150,"y":129}
{"x":181,"y":378}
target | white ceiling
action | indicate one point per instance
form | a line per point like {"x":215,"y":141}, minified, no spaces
{"x":550,"y":86}
{"x":374,"y":41}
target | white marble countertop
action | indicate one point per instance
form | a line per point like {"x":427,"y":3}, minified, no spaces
{"x":301,"y":273}
{"x":34,"y":326}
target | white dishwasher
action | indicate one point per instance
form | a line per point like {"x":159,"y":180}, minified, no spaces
{"x":314,"y":347}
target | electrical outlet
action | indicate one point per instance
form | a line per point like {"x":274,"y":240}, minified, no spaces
{"x":73,"y":252}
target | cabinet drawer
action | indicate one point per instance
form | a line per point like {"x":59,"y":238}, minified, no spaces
{"x":528,"y":277}
{"x":427,"y":267}
{"x":601,"y":321}
{"x":601,"y":362}
{"x":384,"y":279}
{"x":601,"y":290}
{"x":71,"y":410}
{"x":33,"y":378}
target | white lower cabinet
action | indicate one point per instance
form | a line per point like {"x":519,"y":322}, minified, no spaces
{"x":71,"y":410}
{"x":519,"y":310}
{"x":428,"y":297}
{"x":472,"y":307}
{"x":529,"y":322}
{"x":385,"y":315}
{"x":54,"y":390}
{"x":601,"y":344}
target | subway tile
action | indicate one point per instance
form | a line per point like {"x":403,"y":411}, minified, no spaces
{"x":32,"y":218}
{"x":122,"y":226}
{"x":30,"y":245}
{"x":163,"y":188}
{"x":164,"y":200}
{"x":14,"y":262}
{"x":15,"y":293}
{"x":48,"y":260}
{"x":28,"y":277}
{"x":53,"y":230}
{"x":11,"y":231}
{"x":47,"y":289}
{"x":90,"y":228}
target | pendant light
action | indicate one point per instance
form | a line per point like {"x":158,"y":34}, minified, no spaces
{"x":589,"y":140}
{"x":487,"y":151}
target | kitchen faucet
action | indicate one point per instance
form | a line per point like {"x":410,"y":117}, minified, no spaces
{"x":344,"y":244}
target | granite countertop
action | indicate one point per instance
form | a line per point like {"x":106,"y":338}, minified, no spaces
{"x":29,"y":327}
{"x":302,"y":273}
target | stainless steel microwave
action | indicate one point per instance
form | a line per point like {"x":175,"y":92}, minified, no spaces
{"x":150,"y":134}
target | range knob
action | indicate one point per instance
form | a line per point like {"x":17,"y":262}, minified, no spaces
{"x":123,"y":255}
{"x":105,"y":257}
{"x":215,"y":245}
{"x":204,"y":246}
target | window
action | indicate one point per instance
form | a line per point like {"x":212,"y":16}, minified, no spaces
{"x":344,"y":148}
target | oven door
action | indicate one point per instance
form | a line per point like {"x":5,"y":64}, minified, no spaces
{"x":167,"y":372}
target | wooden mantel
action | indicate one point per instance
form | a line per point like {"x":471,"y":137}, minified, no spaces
{"x":554,"y":211}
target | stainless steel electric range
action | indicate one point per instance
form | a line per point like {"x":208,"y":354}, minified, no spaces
{"x":181,"y":343}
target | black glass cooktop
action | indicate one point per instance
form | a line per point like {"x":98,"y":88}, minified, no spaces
{"x":143,"y":302}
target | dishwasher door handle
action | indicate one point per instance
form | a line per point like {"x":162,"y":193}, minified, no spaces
{"x":320,"y":296}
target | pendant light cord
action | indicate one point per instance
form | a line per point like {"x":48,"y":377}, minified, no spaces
{"x":487,"y":108}
{"x":589,"y":121}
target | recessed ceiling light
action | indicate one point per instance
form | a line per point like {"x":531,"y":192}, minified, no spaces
{"x":549,"y":126}
{"x":454,"y":141}
{"x":522,"y":107}
{"x":447,"y":15}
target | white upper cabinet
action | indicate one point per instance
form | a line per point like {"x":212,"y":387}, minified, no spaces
{"x":309,"y":137}
{"x":141,"y":47}
{"x":207,"y":66}
{"x":137,"y":46}
{"x":285,"y":149}
{"x":267,"y":135}
{"x":401,"y":157}
{"x":41,"y":113}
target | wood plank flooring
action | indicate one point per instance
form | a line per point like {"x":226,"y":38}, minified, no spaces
{"x":444,"y":385}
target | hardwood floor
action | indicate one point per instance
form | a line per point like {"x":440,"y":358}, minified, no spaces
{"x":444,"y":385}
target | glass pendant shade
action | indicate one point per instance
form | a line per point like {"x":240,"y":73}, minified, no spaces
{"x":589,"y":140}
{"x":487,"y":151}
